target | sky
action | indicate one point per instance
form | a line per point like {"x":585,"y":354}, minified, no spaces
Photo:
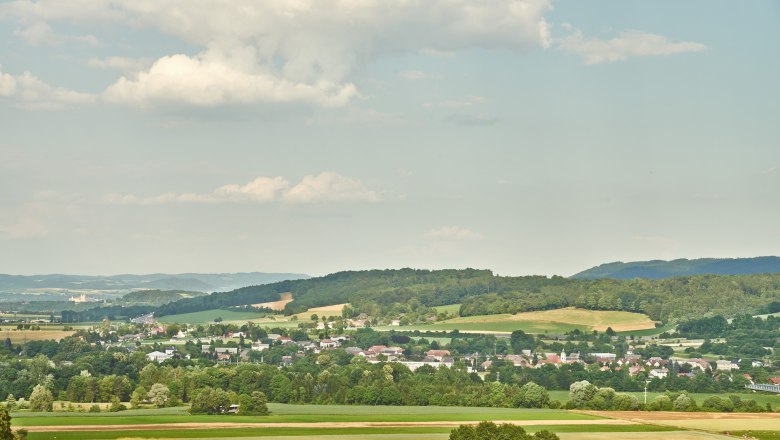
{"x":314,"y":136}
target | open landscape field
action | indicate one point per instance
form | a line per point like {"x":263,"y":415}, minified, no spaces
{"x":208,"y":316}
{"x":277,"y":305}
{"x":313,"y":421}
{"x":705,"y":421}
{"x":21,"y":336}
{"x":760,"y":398}
{"x":547,"y":321}
{"x":384,"y":423}
{"x":333,"y":310}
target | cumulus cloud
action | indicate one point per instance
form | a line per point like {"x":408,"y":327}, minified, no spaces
{"x":415,"y":75}
{"x":285,"y":51}
{"x":33,"y":93}
{"x":628,"y":44}
{"x":453,"y":233}
{"x":322,"y":188}
{"x":24,"y":227}
{"x":202,"y":82}
{"x":122,"y":64}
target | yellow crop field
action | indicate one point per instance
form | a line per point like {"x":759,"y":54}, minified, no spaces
{"x":560,"y":320}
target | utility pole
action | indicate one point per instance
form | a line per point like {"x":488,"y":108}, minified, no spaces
{"x":646,"y":383}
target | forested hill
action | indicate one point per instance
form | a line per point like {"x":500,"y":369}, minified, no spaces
{"x":658,"y":269}
{"x":380,"y":287}
{"x":480,"y":292}
{"x":202,"y":282}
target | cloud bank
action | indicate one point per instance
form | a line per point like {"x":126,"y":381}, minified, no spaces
{"x":288,"y":51}
{"x":325,"y":187}
{"x":628,"y":44}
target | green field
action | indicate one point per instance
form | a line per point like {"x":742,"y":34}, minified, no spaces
{"x":282,"y":413}
{"x":761,"y":399}
{"x":208,"y":316}
{"x":556,"y":321}
{"x":452,"y":309}
{"x":326,"y":433}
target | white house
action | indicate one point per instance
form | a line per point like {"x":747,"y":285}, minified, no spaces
{"x":158,"y":356}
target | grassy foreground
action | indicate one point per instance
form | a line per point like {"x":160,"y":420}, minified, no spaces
{"x":281,"y":413}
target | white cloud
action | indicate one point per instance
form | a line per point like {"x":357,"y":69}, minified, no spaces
{"x":33,"y":93}
{"x":330,"y":187}
{"x":37,"y":34}
{"x":200,"y":82}
{"x":291,"y":51}
{"x":322,"y":188}
{"x":7,"y":84}
{"x":122,"y":64}
{"x":414,"y":75}
{"x":453,"y":233}
{"x":470,"y":101}
{"x":24,"y":227}
{"x":627,"y":45}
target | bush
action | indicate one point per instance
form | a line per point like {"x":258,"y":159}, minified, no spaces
{"x":94,"y":408}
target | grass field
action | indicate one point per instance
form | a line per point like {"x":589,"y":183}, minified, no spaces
{"x":21,"y":336}
{"x":379,"y":423}
{"x":285,"y":298}
{"x":208,"y":316}
{"x":281,"y":413}
{"x":334,"y":310}
{"x":452,"y":309}
{"x":761,"y":399}
{"x":547,"y":321}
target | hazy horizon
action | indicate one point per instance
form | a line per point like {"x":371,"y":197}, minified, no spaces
{"x":525,"y":137}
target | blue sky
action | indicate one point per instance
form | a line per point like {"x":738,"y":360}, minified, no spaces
{"x":528,"y":137}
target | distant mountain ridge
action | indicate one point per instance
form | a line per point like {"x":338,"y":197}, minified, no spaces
{"x":659,"y":269}
{"x":208,"y":282}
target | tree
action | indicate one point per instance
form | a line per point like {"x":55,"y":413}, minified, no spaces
{"x":489,"y":431}
{"x":10,"y":402}
{"x":5,"y":425}
{"x":139,"y":395}
{"x":158,"y":394}
{"x":521,"y":341}
{"x":41,"y":399}
{"x":210,"y":401}
{"x":534,"y":396}
{"x":580,"y":393}
{"x":683,"y":403}
{"x":253,"y":405}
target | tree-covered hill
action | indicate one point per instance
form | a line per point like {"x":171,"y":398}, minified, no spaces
{"x":658,"y":269}
{"x":156,"y":297}
{"x":481,"y":292}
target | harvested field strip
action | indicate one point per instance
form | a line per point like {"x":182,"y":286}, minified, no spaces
{"x":277,"y":305}
{"x":390,"y":432}
{"x":706,"y":421}
{"x":315,"y":425}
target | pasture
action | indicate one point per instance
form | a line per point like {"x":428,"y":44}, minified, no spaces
{"x":208,"y":316}
{"x":285,"y":298}
{"x":761,"y":399}
{"x":311,"y":421}
{"x":540,"y":322}
{"x":22,"y":336}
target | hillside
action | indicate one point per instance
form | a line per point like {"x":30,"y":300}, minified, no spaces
{"x":658,"y":269}
{"x":34,"y":285}
{"x":414,"y":292}
{"x":156,"y":297}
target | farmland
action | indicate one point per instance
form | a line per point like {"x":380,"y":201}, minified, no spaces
{"x":384,"y":423}
{"x":547,"y":321}
{"x":22,"y":336}
{"x":372,"y":422}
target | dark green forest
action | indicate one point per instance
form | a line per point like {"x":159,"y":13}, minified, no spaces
{"x":482,"y":292}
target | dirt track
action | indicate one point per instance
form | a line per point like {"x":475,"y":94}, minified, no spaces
{"x":164,"y":426}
